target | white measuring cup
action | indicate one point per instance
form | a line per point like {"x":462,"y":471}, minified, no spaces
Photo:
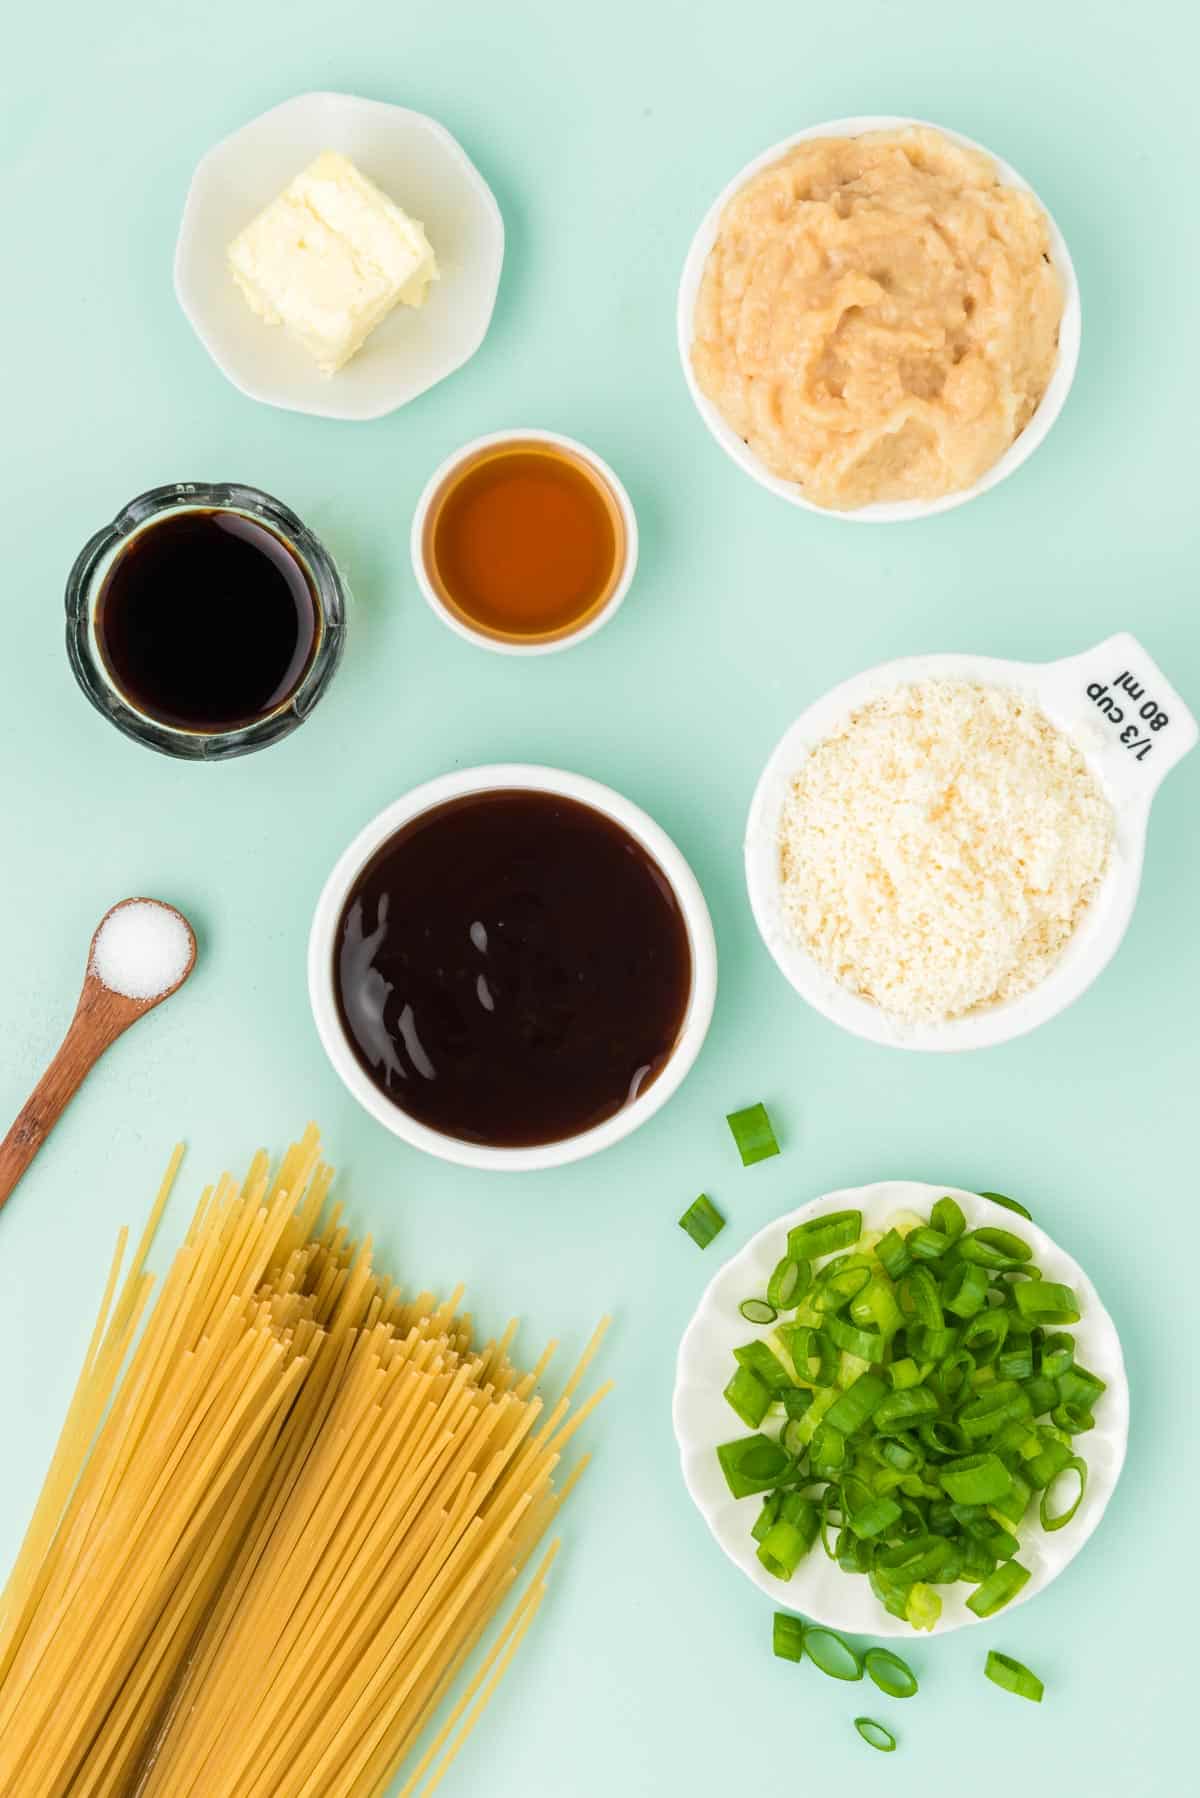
{"x":1132,"y":728}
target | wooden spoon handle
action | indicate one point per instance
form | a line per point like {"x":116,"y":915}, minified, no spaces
{"x":84,"y":1043}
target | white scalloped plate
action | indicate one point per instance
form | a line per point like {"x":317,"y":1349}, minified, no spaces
{"x":819,"y":1589}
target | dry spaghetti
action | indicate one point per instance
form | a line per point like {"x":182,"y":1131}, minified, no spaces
{"x":280,"y":1519}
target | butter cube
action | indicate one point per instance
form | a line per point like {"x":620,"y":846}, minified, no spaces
{"x":329,"y":258}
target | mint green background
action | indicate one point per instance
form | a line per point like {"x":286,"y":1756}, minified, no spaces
{"x":605,"y":132}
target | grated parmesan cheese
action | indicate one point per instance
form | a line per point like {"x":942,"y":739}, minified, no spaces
{"x":938,"y":851}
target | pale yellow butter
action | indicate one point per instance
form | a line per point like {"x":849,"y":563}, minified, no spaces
{"x":329,"y":258}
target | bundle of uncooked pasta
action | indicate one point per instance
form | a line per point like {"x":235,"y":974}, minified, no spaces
{"x":286,"y":1504}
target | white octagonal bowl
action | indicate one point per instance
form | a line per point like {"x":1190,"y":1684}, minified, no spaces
{"x":502,"y":777}
{"x":819,"y":1589}
{"x":418,"y":164}
{"x":891,"y":511}
{"x":1084,"y":696}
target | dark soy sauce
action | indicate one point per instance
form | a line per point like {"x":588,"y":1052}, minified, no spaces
{"x":207,"y":621}
{"x":512,"y":968}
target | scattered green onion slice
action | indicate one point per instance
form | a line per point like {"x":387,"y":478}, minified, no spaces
{"x":827,"y":1650}
{"x":999,"y":1198}
{"x":788,"y":1637}
{"x":753,"y":1464}
{"x":789,"y":1283}
{"x":976,"y":1480}
{"x":1056,"y":1520}
{"x":997,"y":1249}
{"x":875,"y":1735}
{"x":753,"y":1134}
{"x":702,"y":1221}
{"x":1003,"y":1671}
{"x":948,"y":1217}
{"x":890,"y":1673}
{"x":758,"y":1311}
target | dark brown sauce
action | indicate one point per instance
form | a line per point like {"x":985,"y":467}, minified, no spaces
{"x":512,"y":968}
{"x":207,"y":621}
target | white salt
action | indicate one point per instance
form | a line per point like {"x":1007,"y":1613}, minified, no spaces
{"x":142,"y":949}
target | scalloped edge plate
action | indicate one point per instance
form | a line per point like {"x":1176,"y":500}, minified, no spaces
{"x":820,"y":1590}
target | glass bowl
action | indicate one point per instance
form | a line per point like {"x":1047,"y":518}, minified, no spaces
{"x":86,"y":580}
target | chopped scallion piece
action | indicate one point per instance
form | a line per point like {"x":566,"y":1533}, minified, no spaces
{"x":999,"y":1198}
{"x":702,"y":1221}
{"x":825,"y":1235}
{"x":753,"y":1464}
{"x":947,"y":1216}
{"x":890,"y":1673}
{"x":875,"y":1735}
{"x":789,"y":1283}
{"x":1046,"y":1302}
{"x":827,"y":1650}
{"x":757,"y":1311}
{"x":753,"y":1134}
{"x":1055,"y":1520}
{"x":1003,"y":1671}
{"x":997,"y":1589}
{"x":788,"y":1637}
{"x":748,"y":1397}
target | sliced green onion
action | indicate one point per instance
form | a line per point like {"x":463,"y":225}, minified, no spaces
{"x":874,"y":1517}
{"x":900,"y":1409}
{"x":767,"y":1516}
{"x":1079,"y":1387}
{"x":827,"y":1650}
{"x":976,"y":1480}
{"x":783,"y":1549}
{"x":997,"y":1249}
{"x":858,"y":1403}
{"x":1057,"y":1356}
{"x":905,"y":1373}
{"x":789,"y":1283}
{"x":762,"y":1360}
{"x":748,"y":1397}
{"x":998,"y":1589}
{"x":1041,"y":1393}
{"x":1056,"y":1520}
{"x":1046,"y":1302}
{"x":702,"y":1221}
{"x":1003,"y":1671}
{"x":836,"y":1286}
{"x":919,"y":1298}
{"x":787,"y":1637}
{"x":1074,"y":1419}
{"x":825,"y":1235}
{"x":828,"y":1455}
{"x":922,"y":1607}
{"x":890,"y":1673}
{"x":866,"y":1344}
{"x":1045,"y":1466}
{"x":796,"y":1401}
{"x":999,"y":1198}
{"x":948,"y":1217}
{"x":757,"y":1311}
{"x":966,"y":1289}
{"x":892,"y":1254}
{"x":875,"y":1735}
{"x":753,"y":1134}
{"x":752,"y":1464}
{"x":926,"y":1244}
{"x":807,"y":1345}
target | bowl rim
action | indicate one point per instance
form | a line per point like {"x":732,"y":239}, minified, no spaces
{"x":901,"y":1195}
{"x":494,"y":777}
{"x":478,"y":636}
{"x":1087,"y":952}
{"x":321,"y":403}
{"x":892,"y":511}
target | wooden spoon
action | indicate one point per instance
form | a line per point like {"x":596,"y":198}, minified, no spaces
{"x":102,"y":1015}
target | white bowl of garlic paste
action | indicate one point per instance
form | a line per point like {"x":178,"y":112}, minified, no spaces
{"x":1131,"y":727}
{"x":420,"y":166}
{"x":820,"y":1589}
{"x":889,"y":511}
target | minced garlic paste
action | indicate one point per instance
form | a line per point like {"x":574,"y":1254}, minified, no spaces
{"x":878,"y":317}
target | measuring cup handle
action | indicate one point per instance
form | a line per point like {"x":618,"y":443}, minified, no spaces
{"x":1124,"y":712}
